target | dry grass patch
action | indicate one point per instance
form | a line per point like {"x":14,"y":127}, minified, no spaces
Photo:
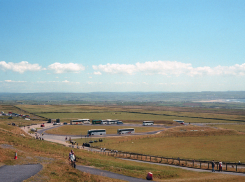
{"x":225,"y":145}
{"x":191,"y":130}
{"x":236,"y":127}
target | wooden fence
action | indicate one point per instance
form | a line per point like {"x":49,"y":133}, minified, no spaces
{"x":227,"y":166}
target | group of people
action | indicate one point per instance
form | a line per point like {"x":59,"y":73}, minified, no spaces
{"x":213,"y":166}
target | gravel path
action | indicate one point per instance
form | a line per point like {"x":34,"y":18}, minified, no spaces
{"x":18,"y":173}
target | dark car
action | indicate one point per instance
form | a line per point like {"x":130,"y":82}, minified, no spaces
{"x":64,"y":123}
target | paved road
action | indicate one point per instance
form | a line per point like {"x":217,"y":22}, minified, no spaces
{"x":99,"y":172}
{"x":18,"y":173}
{"x":187,"y":168}
{"x":50,"y":126}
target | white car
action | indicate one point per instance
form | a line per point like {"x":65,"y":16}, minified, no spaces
{"x":33,"y":129}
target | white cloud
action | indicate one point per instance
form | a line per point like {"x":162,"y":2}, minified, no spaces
{"x":169,"y":68}
{"x":116,"y":68}
{"x":163,"y":67}
{"x":20,"y":67}
{"x":66,"y":67}
{"x":94,"y":83}
{"x":124,"y":83}
{"x":97,"y":73}
{"x":65,"y":81}
{"x":11,"y":81}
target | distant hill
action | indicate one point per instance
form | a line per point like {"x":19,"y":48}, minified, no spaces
{"x":93,"y":97}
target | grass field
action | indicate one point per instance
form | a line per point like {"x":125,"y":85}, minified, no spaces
{"x":179,"y":142}
{"x":83,"y":129}
{"x":136,"y":113}
{"x":56,"y":168}
{"x":199,"y":144}
{"x":237,"y":127}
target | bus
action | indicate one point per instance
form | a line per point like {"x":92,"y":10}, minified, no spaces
{"x":80,"y":121}
{"x":96,"y":122}
{"x":103,"y":121}
{"x":145,"y":123}
{"x":110,"y":121}
{"x":180,"y":121}
{"x":125,"y":131}
{"x":96,"y":132}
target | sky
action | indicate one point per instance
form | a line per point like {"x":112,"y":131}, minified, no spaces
{"x":122,"y":46}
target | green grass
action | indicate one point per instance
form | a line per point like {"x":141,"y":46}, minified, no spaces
{"x":226,"y":148}
{"x":237,"y":127}
{"x":139,"y":113}
{"x":58,"y":168}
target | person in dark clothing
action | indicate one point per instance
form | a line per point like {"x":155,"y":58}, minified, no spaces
{"x":213,"y":165}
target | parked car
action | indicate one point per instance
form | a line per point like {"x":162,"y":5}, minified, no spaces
{"x":34,"y":129}
{"x":42,"y":125}
{"x":64,"y":123}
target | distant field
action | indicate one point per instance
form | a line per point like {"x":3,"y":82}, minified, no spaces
{"x":136,"y":113}
{"x":237,"y":127}
{"x":105,"y":115}
{"x":83,"y":129}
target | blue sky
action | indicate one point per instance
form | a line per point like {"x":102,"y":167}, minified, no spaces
{"x":123,"y":45}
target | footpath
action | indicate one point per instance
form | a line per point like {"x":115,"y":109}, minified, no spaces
{"x":18,"y":173}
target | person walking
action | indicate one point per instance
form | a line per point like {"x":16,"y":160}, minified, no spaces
{"x":70,"y":154}
{"x":73,"y":159}
{"x":213,"y":165}
{"x":220,"y":166}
